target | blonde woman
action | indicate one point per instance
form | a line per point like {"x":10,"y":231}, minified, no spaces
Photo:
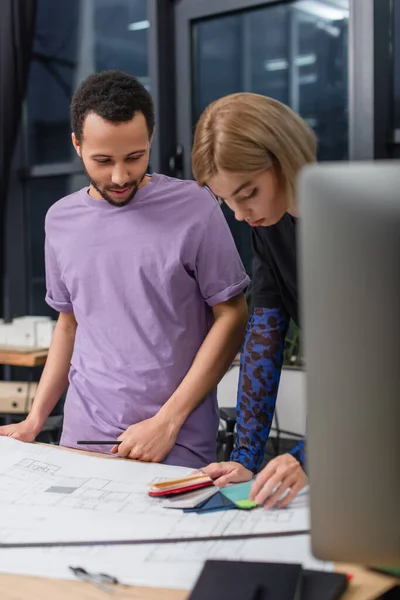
{"x":248,"y":149}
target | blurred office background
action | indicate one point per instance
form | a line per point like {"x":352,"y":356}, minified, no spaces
{"x":336,"y":62}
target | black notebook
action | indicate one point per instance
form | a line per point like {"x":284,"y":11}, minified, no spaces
{"x":238,"y":580}
{"x":322,"y":585}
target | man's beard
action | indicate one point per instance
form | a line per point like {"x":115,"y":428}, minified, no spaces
{"x":103,"y":191}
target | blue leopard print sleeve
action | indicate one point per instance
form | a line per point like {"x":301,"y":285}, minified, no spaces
{"x":260,"y":371}
{"x":299,"y":453}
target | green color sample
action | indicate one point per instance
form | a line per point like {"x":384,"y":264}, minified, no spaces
{"x":239,"y":494}
{"x":246,"y":504}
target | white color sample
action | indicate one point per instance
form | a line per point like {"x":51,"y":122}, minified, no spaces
{"x":190,"y":499}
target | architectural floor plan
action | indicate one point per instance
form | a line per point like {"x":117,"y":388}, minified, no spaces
{"x":48,"y":494}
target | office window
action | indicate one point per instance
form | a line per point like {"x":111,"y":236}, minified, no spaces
{"x":72,"y":40}
{"x":295,"y":52}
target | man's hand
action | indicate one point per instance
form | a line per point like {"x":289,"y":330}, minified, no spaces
{"x":281,"y":474}
{"x":25,"y":431}
{"x":149,"y":441}
{"x":224,"y":473}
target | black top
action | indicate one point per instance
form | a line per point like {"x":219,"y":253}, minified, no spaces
{"x":275,"y":267}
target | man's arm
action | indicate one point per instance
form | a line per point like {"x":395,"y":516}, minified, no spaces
{"x":52,"y":383}
{"x":212,"y":360}
{"x":153,"y":439}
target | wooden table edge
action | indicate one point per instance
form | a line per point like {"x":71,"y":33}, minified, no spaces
{"x":27,"y":357}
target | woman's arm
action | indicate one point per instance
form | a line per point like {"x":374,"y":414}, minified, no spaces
{"x":260,"y":371}
{"x":298,"y":453}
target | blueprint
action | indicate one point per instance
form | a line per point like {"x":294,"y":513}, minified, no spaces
{"x":48,"y":494}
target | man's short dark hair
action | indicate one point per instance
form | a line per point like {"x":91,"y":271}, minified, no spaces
{"x":114,"y":96}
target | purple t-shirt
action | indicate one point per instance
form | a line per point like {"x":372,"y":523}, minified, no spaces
{"x":141,"y":281}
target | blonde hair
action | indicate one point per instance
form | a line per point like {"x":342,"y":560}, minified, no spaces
{"x":247,"y":132}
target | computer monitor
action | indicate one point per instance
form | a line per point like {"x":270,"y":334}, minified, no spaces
{"x":349,"y":253}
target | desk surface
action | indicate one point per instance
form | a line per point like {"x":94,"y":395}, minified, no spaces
{"x":23,"y":357}
{"x":365,"y":585}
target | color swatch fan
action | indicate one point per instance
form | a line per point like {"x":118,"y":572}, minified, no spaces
{"x":168,"y":487}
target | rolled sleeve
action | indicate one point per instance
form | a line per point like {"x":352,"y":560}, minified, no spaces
{"x":219,"y":271}
{"x":57,"y":305}
{"x":229,"y":292}
{"x":57,"y":295}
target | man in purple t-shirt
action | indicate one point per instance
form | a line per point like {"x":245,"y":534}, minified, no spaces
{"x":145,"y":275}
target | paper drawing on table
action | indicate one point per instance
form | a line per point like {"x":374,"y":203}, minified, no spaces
{"x":49,"y":494}
{"x":34,"y":477}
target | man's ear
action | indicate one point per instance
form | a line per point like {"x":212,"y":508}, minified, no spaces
{"x":76,"y":144}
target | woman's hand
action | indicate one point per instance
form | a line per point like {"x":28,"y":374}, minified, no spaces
{"x":224,"y":473}
{"x":283,"y":474}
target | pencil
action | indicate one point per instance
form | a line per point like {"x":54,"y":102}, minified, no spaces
{"x":98,"y":443}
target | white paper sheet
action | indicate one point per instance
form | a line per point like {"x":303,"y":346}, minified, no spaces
{"x":49,"y":494}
